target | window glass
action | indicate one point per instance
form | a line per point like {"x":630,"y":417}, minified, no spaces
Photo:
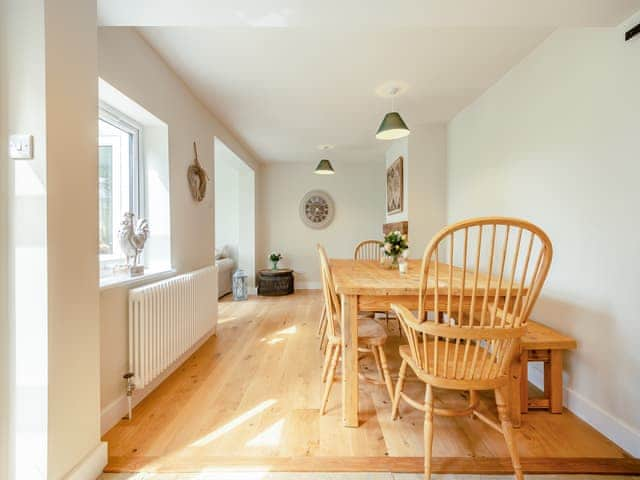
{"x":117,"y":169}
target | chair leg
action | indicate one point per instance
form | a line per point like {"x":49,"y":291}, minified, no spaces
{"x":473,"y":399}
{"x":322,"y":318}
{"x":428,"y":431}
{"x":330,"y":377}
{"x":323,"y":331}
{"x":385,"y":373}
{"x":502,"y":402}
{"x":399,"y":386}
{"x":327,"y":362}
{"x":376,"y":357}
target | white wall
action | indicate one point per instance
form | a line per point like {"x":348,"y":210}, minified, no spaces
{"x":53,"y":301}
{"x":358,"y":191}
{"x":53,"y":305}
{"x":427,"y":185}
{"x":227,"y":207}
{"x":27,"y":241}
{"x":6,"y":360}
{"x":130,"y":65}
{"x":247,"y":223}
{"x":72,"y":229}
{"x":425,"y":173}
{"x":556,"y":141}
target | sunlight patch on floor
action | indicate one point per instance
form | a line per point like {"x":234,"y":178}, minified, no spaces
{"x":239,"y":420}
{"x":288,"y":331}
{"x":222,"y":320}
{"x":268,"y":438}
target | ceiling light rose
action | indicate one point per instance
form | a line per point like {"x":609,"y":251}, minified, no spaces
{"x":324,"y":168}
{"x":392,"y":125}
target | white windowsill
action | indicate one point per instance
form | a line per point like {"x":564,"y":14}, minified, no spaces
{"x":124,"y":280}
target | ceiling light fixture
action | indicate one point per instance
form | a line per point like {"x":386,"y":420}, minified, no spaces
{"x":324,"y":166}
{"x":392,"y":125}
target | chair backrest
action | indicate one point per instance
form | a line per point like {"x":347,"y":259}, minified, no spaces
{"x":368,"y":250}
{"x":331,"y":300}
{"x":490,"y":272}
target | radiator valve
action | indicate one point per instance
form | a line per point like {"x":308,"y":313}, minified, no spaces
{"x":131,"y":386}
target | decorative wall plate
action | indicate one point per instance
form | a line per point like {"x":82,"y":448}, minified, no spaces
{"x":317,"y":209}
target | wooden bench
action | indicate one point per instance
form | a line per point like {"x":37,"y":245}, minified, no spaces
{"x":540,"y":344}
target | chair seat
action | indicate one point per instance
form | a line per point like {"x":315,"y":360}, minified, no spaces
{"x":457,"y":381}
{"x":370,"y":333}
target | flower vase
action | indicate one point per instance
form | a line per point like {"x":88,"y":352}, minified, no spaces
{"x":274,"y":265}
{"x":394,"y":262}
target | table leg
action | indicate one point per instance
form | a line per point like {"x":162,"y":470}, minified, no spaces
{"x":555,"y":395}
{"x":349,"y":360}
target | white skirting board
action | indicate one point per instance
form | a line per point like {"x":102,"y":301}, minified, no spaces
{"x":307,"y":285}
{"x":91,"y":466}
{"x":116,"y":410}
{"x":612,"y":427}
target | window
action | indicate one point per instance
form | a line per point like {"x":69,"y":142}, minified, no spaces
{"x":120,"y":188}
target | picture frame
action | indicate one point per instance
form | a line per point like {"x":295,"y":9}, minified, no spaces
{"x":395,"y":187}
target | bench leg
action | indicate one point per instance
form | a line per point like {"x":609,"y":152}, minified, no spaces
{"x":514,"y":391}
{"x":524,"y":382}
{"x":547,"y":377}
{"x":555,"y":394}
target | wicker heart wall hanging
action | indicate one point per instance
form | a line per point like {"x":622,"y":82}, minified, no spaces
{"x":197,"y":177}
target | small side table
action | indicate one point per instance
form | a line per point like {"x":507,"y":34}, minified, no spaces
{"x":275,"y":282}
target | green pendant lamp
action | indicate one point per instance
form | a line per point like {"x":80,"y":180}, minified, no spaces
{"x":324,"y":167}
{"x":392,"y":125}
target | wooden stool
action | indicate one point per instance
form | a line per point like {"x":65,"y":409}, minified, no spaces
{"x":540,"y":344}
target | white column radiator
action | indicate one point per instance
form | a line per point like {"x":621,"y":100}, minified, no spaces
{"x":167,"y":318}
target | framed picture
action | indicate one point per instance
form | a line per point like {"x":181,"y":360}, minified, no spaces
{"x":395,"y":187}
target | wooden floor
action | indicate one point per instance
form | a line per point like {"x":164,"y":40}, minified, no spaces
{"x":249,"y":398}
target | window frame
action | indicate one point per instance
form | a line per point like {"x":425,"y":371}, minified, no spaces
{"x":137,"y":174}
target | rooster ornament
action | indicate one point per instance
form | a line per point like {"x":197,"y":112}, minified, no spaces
{"x":133,"y":235}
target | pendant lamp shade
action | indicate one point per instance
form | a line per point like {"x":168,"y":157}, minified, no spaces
{"x":324,"y":168}
{"x":392,"y":127}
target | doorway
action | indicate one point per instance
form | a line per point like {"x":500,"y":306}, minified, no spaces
{"x":235,"y":210}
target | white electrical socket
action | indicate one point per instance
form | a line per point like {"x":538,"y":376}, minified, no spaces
{"x":21,"y":147}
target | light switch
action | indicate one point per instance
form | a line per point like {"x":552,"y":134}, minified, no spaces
{"x":21,"y":147}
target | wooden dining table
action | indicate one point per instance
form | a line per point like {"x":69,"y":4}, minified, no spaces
{"x":369,"y":286}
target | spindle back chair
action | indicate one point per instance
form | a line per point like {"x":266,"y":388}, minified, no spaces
{"x":371,"y":336}
{"x":471,"y":339}
{"x":368,"y":250}
{"x":371,"y":250}
{"x":332,"y":307}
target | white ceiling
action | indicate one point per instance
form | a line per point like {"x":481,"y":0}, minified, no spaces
{"x":286,"y":76}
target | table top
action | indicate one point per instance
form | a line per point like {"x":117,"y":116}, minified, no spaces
{"x":276,"y":272}
{"x":358,"y":277}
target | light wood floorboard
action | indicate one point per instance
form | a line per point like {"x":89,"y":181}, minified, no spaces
{"x":251,"y":395}
{"x":339,"y":476}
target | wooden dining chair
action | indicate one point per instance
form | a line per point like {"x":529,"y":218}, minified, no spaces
{"x":365,"y":250}
{"x":500,"y":264}
{"x":368,"y":250}
{"x":371,"y":250}
{"x":371,"y":337}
